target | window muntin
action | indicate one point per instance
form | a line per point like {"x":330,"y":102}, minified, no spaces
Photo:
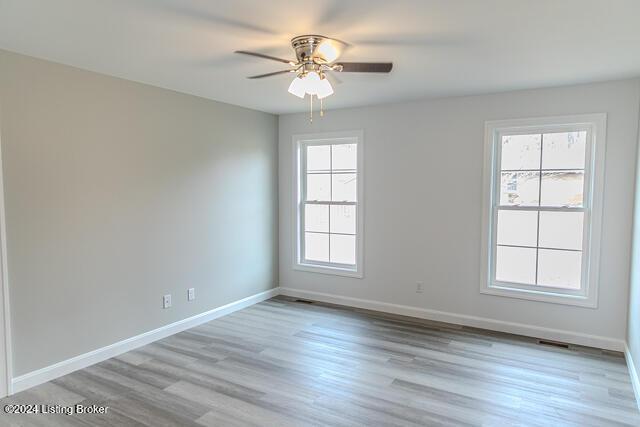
{"x":328,"y":206}
{"x":539,"y":216}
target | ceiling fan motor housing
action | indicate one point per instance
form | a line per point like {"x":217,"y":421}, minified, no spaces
{"x":305,"y":46}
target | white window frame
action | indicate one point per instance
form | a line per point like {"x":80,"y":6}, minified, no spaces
{"x":326,"y":138}
{"x":595,"y":124}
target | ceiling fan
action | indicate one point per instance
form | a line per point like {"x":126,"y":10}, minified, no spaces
{"x":315,"y":56}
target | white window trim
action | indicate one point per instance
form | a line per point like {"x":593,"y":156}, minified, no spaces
{"x":298,"y":140}
{"x":594,"y":177}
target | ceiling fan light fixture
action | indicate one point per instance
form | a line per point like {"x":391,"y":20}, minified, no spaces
{"x":317,"y":85}
{"x":311,"y":83}
{"x":298,"y":87}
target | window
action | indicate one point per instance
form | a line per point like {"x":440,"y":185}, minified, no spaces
{"x":543,"y":200}
{"x":328,"y":208}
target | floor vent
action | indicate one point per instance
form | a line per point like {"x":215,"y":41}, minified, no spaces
{"x":303,"y":301}
{"x":553,"y":343}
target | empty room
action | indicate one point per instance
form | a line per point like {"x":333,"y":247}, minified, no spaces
{"x":327,"y":213}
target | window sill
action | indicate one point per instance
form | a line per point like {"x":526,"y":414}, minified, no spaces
{"x":321,"y":269}
{"x":541,"y":296}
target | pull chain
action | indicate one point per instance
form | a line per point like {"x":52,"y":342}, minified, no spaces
{"x":321,"y":109}
{"x":310,"y":108}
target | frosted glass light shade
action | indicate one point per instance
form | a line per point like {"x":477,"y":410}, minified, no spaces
{"x":298,"y":87}
{"x":323,"y":88}
{"x":311,"y":84}
{"x":312,"y":81}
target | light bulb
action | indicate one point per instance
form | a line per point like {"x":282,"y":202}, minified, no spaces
{"x":298,"y":87}
{"x":328,"y":50}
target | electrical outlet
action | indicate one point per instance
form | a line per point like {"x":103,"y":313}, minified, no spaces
{"x":166,"y":301}
{"x":191,"y":294}
{"x":419,"y":287}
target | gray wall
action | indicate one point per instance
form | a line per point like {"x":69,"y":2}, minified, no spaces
{"x":633,"y":328}
{"x":117,"y":193}
{"x":423,"y":202}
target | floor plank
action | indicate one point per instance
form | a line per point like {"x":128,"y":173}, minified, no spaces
{"x":287,"y":363}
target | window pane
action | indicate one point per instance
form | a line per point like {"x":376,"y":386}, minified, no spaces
{"x":565,"y":150}
{"x":520,"y":152}
{"x":316,"y":218}
{"x":517,"y":228}
{"x":343,"y":249}
{"x":343,"y":219}
{"x":344,"y":187}
{"x":516,"y":265}
{"x":562,"y":188}
{"x":344,"y":156}
{"x":316,"y":247}
{"x":318,"y":186}
{"x":559,"y":269}
{"x":562,"y":230}
{"x":519,"y":188}
{"x":318,"y":157}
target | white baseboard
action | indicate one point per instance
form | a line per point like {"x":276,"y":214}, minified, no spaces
{"x":633,"y":373}
{"x":64,"y":367}
{"x":463,"y":319}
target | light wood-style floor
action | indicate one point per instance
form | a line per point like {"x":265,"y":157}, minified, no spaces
{"x":287,"y":363}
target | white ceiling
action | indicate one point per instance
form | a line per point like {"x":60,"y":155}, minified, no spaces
{"x":439,"y":48}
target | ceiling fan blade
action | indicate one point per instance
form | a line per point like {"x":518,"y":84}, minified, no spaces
{"x":275,"y":73}
{"x":336,"y":15}
{"x":333,"y":79}
{"x":262,"y":55}
{"x":208,"y":15}
{"x":409,"y":40}
{"x":364,"y":67}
